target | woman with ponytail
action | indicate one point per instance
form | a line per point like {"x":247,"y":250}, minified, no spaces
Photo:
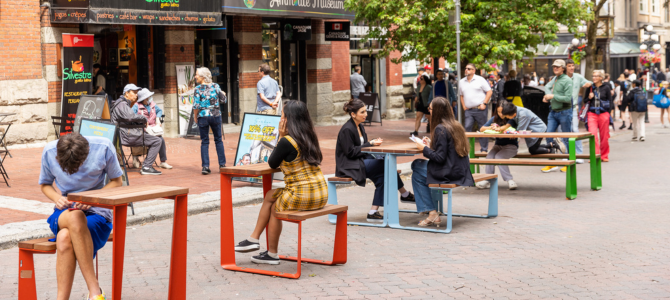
{"x":352,"y":163}
{"x":447,"y":150}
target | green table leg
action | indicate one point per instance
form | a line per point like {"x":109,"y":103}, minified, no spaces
{"x":596,"y":171}
{"x":571,"y":174}
{"x":472,"y":155}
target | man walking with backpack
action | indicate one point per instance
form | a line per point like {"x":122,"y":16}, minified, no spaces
{"x":637,"y":106}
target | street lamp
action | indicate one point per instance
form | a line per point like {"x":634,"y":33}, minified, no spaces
{"x":649,"y":41}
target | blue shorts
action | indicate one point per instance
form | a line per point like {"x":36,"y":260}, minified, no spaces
{"x":98,"y":226}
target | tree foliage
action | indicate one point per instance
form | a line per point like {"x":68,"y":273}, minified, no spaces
{"x":491,"y":31}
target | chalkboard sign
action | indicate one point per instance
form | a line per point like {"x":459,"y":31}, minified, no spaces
{"x":91,"y":107}
{"x":192,"y":128}
{"x":371,"y":101}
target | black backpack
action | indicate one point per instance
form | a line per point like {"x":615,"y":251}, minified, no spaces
{"x":639,"y":102}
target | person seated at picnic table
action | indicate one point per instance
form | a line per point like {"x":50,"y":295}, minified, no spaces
{"x":298,"y":155}
{"x":121,"y":111}
{"x":147,"y":107}
{"x":350,"y":162}
{"x":448,"y":163}
{"x":526,"y":120}
{"x":78,"y":164}
{"x":504,"y":148}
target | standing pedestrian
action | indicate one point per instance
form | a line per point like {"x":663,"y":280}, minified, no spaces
{"x":599,"y":99}
{"x":357,"y":82}
{"x":417,"y":80}
{"x":268,"y":94}
{"x":421,"y":101}
{"x":99,"y":81}
{"x":636,"y":101}
{"x":475,"y":94}
{"x":207,"y":115}
{"x":560,"y":97}
{"x":664,"y":110}
{"x":660,"y":77}
{"x":444,"y":88}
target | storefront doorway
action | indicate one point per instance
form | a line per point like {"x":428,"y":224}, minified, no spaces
{"x":286,"y":58}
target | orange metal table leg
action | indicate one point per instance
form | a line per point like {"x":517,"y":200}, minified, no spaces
{"x":177,"y":288}
{"x":227,"y":229}
{"x":267,"y":186}
{"x":118,"y":249}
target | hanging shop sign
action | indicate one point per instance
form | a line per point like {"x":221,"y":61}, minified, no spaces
{"x":322,"y":9}
{"x":77,"y":75}
{"x":297,"y":29}
{"x":337,"y":31}
{"x":145,"y":12}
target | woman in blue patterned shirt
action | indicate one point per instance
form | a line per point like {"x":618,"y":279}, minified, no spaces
{"x":207,"y":115}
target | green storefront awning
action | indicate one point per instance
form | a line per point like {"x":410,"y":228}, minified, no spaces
{"x":624,"y":49}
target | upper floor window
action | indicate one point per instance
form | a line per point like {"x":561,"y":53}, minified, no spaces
{"x":655,"y":7}
{"x":643,"y":6}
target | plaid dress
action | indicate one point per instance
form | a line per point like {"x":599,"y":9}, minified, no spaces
{"x":306,"y":187}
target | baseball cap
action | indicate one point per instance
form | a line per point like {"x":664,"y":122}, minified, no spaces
{"x":144,"y":94}
{"x":427,"y":67}
{"x":559,"y":63}
{"x":130,"y":87}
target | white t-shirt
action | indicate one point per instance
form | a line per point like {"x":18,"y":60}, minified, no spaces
{"x":473,"y":91}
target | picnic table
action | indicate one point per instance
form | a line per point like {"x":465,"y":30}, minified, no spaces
{"x":118,"y":199}
{"x":571,"y":185}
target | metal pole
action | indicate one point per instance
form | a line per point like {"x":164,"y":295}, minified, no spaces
{"x":458,"y":56}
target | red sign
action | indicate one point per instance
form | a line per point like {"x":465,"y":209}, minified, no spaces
{"x":77,"y":40}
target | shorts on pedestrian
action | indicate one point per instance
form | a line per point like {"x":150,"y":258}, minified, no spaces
{"x":271,"y":111}
{"x":99,"y":227}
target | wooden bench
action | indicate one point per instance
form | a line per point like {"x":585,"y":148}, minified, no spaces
{"x":549,"y":156}
{"x":437,"y":195}
{"x":570,"y":175}
{"x":340,"y":247}
{"x":27,"y":287}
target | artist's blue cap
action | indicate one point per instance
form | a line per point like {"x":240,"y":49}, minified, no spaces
{"x":130,"y":87}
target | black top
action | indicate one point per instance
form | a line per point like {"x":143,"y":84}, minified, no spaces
{"x":604,"y":92}
{"x":445,"y":166}
{"x":348,"y":155}
{"x":512,"y":88}
{"x":504,"y":141}
{"x":283,"y":152}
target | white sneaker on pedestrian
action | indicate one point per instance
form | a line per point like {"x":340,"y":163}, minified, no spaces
{"x":136,"y":162}
{"x":483,"y":185}
{"x":641,"y":139}
{"x":512,"y":184}
{"x":165,"y":165}
{"x":579,"y":161}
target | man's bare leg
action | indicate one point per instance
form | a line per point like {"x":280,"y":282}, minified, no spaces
{"x":75,"y":222}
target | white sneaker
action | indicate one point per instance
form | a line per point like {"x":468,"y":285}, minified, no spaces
{"x":512,"y":184}
{"x":136,"y":162}
{"x":165,"y":165}
{"x":579,"y":161}
{"x":483,"y":185}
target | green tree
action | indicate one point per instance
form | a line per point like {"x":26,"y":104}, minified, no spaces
{"x":491,"y":31}
{"x":592,"y":9}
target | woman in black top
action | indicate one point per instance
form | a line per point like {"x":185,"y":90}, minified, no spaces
{"x":421,"y":101}
{"x":352,"y":163}
{"x":599,"y":100}
{"x":447,"y":151}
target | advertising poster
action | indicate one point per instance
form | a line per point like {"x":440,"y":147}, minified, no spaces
{"x":258,"y":138}
{"x":185,"y":86}
{"x":77,"y":75}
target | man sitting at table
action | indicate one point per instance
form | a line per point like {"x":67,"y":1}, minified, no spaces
{"x":78,"y":164}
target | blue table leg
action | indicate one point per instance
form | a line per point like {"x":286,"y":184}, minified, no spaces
{"x":391,"y":214}
{"x":332,"y":199}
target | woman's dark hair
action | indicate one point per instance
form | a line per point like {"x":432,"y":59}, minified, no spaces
{"x":443,"y":114}
{"x":496,"y":116}
{"x":71,"y":152}
{"x":301,"y":129}
{"x":353,"y":106}
{"x":426,"y":78}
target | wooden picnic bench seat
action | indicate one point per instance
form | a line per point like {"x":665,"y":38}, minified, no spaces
{"x":340,"y":247}
{"x":27,"y":287}
{"x":553,"y":155}
{"x":477,"y":177}
{"x":521,"y":162}
{"x":340,"y":179}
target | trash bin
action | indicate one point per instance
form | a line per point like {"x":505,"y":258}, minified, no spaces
{"x":532,"y":99}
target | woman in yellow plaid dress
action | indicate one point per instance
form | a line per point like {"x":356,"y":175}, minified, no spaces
{"x":298,"y":155}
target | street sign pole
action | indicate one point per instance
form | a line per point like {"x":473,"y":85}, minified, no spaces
{"x":458,"y":56}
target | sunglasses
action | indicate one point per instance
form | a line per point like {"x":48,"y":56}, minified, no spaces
{"x":469,"y":68}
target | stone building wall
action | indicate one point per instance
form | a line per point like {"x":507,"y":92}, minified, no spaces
{"x":179,"y":50}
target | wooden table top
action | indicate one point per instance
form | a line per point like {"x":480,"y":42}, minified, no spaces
{"x":254,"y":169}
{"x":126,"y":194}
{"x":404,"y":148}
{"x":530,"y":135}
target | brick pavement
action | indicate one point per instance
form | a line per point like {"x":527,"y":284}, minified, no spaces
{"x":610,"y":244}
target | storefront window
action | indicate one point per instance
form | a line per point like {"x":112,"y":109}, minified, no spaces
{"x":542,"y":69}
{"x":271,"y":52}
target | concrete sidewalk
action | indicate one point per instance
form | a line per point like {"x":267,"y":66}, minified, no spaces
{"x":609,"y":244}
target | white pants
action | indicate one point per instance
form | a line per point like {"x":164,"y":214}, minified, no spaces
{"x":501,"y":152}
{"x":638,"y":123}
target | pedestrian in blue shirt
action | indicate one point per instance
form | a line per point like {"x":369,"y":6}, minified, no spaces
{"x":77,"y":164}
{"x":269,"y":95}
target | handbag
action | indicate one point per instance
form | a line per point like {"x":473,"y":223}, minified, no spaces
{"x":661,"y":100}
{"x":155,"y":130}
{"x":583,"y":114}
{"x":221,"y":95}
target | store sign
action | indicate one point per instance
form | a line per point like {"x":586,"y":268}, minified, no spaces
{"x":322,"y":9}
{"x":146,"y":12}
{"x":337,"y":31}
{"x":77,"y":75}
{"x":297,"y":29}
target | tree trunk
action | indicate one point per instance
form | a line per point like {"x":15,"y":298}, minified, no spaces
{"x":590,"y":49}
